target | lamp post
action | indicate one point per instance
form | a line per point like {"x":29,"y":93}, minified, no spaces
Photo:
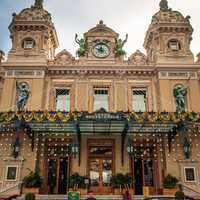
{"x":130,"y":147}
{"x":74,"y":150}
{"x":186,"y":148}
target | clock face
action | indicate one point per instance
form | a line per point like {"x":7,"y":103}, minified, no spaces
{"x":101,"y":50}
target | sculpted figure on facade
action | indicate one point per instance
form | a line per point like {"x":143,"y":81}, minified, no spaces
{"x":180,"y":93}
{"x":82,"y":46}
{"x":2,"y":55}
{"x":119,"y":46}
{"x":138,"y":58}
{"x":39,"y":3}
{"x":164,"y":5}
{"x":23,"y":93}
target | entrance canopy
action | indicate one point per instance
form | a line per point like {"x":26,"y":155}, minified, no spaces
{"x":100,"y":122}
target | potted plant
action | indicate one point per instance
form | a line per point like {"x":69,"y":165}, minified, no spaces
{"x":169,"y":185}
{"x":30,"y":196}
{"x":32,"y":182}
{"x":77,"y":182}
{"x":122,"y":182}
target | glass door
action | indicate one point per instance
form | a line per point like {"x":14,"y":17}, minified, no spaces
{"x":100,"y":169}
{"x":57,"y":169}
{"x":100,"y":175}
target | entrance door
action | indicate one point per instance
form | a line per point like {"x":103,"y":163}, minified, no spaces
{"x":100,"y":175}
{"x":143,"y":170}
{"x":56,"y":167}
{"x":62,"y":182}
{"x":100,"y":167}
{"x":57,"y":175}
{"x":138,"y":174}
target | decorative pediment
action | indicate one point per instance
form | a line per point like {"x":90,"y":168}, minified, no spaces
{"x":63,"y":58}
{"x":101,"y":30}
{"x":138,"y":58}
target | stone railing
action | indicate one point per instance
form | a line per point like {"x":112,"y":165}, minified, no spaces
{"x":191,"y":192}
{"x":10,"y":190}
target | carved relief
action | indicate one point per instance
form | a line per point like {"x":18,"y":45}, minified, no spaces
{"x":198,"y":58}
{"x":138,"y":58}
{"x":63,"y":58}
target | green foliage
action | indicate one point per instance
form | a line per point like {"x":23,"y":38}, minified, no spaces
{"x":30,"y":196}
{"x":32,"y":180}
{"x":77,"y":181}
{"x":121,"y":180}
{"x":170,"y":181}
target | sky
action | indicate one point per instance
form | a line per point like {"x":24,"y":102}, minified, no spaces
{"x":78,"y":16}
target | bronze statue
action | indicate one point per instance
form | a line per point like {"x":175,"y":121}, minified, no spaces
{"x":164,"y":5}
{"x":82,"y":46}
{"x":119,"y":46}
{"x":39,"y":3}
{"x":22,"y":94}
{"x":180,"y":93}
{"x":2,"y":56}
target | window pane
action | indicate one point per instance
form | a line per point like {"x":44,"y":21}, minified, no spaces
{"x":100,"y":99}
{"x":189,"y":174}
{"x":139,"y":100}
{"x":62,"y":100}
{"x":11,"y":173}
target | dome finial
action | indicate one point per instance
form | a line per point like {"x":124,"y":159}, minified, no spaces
{"x":164,"y":5}
{"x":38,"y":3}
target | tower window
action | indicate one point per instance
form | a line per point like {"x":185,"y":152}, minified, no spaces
{"x":63,"y":99}
{"x":100,"y":98}
{"x":139,"y":100}
{"x":28,"y":43}
{"x":174,"y":45}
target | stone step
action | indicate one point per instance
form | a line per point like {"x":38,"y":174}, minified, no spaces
{"x":83,"y":197}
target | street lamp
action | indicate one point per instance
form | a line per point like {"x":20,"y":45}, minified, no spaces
{"x":74,"y":148}
{"x":186,"y":148}
{"x":130,"y":147}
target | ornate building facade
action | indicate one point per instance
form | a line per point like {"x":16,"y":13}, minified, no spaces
{"x":99,"y":114}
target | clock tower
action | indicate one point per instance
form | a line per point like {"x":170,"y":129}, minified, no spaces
{"x":101,"y":41}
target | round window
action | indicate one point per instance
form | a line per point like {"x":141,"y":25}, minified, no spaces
{"x":28,"y":43}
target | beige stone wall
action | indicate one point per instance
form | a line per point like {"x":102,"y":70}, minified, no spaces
{"x":25,"y":160}
{"x":167,"y":99}
{"x":175,"y":161}
{"x":8,"y":100}
{"x":42,"y":96}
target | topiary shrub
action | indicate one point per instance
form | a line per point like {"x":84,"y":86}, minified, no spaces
{"x":170,"y":182}
{"x":121,"y":180}
{"x":77,"y":181}
{"x":30,"y":196}
{"x":32,"y":180}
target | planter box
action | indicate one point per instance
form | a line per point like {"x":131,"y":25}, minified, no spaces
{"x":81,"y":190}
{"x":148,"y":190}
{"x":169,"y":191}
{"x":30,"y":190}
{"x":118,"y":192}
